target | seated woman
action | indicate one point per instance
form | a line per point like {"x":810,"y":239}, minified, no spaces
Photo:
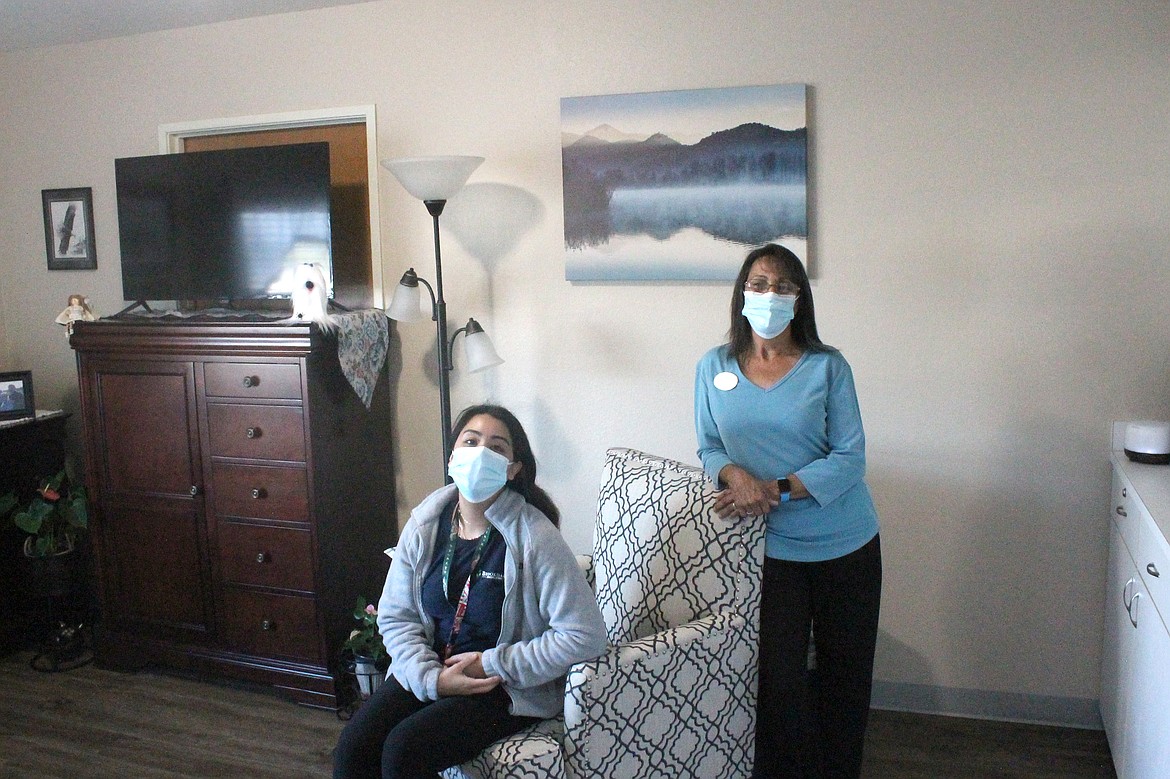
{"x":483,"y":612}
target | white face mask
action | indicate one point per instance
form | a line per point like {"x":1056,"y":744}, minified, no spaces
{"x":767,"y":312}
{"x":478,"y":472}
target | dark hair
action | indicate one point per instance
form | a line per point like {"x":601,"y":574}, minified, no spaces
{"x":525,"y":481}
{"x":804,"y":322}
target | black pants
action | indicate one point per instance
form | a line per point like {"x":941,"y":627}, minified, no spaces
{"x":394,"y":735}
{"x":812,"y":724}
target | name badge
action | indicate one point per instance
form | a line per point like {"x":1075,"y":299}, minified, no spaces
{"x":725,"y":381}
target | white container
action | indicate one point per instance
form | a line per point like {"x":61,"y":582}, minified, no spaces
{"x":369,"y":678}
{"x":1148,"y":442}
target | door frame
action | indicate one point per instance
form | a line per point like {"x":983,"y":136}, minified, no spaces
{"x":171,"y":137}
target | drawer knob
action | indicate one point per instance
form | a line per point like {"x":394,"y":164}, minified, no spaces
{"x":259,"y":493}
{"x":251,"y":381}
{"x":263,"y":557}
{"x":268,"y":624}
{"x":1152,"y":570}
{"x":253,"y":432}
{"x":1121,"y":511}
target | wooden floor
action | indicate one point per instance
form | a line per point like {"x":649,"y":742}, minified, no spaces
{"x":919,"y":746}
{"x":90,"y":723}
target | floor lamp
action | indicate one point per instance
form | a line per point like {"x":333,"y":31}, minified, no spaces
{"x":435,"y":180}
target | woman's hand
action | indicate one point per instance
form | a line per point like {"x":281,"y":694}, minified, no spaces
{"x":463,"y":674}
{"x":745,"y":495}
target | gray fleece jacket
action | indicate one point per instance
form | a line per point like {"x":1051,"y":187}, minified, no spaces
{"x":550,"y":619}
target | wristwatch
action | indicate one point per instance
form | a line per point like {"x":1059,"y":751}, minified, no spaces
{"x":785,"y":490}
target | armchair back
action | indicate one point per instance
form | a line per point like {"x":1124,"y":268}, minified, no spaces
{"x":662,"y":557}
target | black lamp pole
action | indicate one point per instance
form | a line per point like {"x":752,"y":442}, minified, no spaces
{"x":435,"y":207}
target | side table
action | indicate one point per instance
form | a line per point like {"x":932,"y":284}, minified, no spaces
{"x":30,"y":450}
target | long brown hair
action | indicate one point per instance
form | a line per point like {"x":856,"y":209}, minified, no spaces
{"x":524,"y":482}
{"x":804,"y":321}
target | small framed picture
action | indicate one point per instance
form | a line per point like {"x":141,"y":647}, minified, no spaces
{"x":16,"y":395}
{"x":69,"y":228}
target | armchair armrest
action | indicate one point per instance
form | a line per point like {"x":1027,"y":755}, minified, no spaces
{"x":664,"y":704}
{"x":585,"y":563}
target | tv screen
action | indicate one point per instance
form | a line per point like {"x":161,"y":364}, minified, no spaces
{"x":223,"y":225}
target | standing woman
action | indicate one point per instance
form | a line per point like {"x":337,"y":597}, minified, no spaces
{"x":483,"y":612}
{"x":779,"y":432}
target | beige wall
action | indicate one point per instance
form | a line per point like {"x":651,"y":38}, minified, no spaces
{"x":4,"y":360}
{"x":990,"y":231}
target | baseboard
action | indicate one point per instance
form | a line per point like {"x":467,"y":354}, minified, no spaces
{"x":983,"y":704}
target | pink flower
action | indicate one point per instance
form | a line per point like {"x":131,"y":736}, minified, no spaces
{"x":371,"y":609}
{"x":49,"y":494}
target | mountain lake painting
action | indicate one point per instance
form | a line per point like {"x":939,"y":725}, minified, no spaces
{"x":681,"y":185}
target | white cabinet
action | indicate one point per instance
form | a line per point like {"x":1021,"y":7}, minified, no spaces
{"x":1116,"y":679}
{"x":1135,"y":658}
{"x":1149,"y":736}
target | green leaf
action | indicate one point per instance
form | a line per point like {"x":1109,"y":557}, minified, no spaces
{"x":28,"y":522}
{"x":76,"y":512}
{"x":7,"y":503}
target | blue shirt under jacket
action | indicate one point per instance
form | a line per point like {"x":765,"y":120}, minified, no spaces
{"x":808,"y":424}
{"x":480,"y":630}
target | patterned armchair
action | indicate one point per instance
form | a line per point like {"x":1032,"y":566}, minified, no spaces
{"x":675,"y":693}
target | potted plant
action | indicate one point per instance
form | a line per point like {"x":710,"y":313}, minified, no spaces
{"x":364,"y":645}
{"x":54,"y":520}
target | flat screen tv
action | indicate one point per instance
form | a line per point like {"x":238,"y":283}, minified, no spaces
{"x":223,"y":225}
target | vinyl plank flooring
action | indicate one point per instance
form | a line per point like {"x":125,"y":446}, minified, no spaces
{"x":918,"y":746}
{"x":91,"y":723}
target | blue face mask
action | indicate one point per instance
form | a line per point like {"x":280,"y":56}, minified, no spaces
{"x":478,"y":472}
{"x":767,"y":312}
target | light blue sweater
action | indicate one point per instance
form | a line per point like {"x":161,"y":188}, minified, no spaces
{"x":549,"y":620}
{"x":807,"y":424}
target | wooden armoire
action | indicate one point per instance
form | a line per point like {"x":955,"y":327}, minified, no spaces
{"x":242,"y":496}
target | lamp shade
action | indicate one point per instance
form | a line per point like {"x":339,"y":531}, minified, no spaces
{"x":433,"y":178}
{"x":404,"y":306}
{"x":481,"y":354}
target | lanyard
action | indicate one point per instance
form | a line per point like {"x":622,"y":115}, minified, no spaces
{"x":448,"y":558}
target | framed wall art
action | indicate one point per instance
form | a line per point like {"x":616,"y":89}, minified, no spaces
{"x":69,"y":228}
{"x":681,"y":185}
{"x":16,"y":395}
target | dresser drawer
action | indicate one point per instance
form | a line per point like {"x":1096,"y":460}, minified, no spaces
{"x":257,"y":432}
{"x":252,"y":380}
{"x":260,"y":491}
{"x":270,"y":625}
{"x":266,"y":556}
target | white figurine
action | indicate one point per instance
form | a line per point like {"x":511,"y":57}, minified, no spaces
{"x":310,"y":296}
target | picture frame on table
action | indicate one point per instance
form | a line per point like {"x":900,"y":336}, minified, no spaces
{"x":69,"y":239}
{"x":16,"y":395}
